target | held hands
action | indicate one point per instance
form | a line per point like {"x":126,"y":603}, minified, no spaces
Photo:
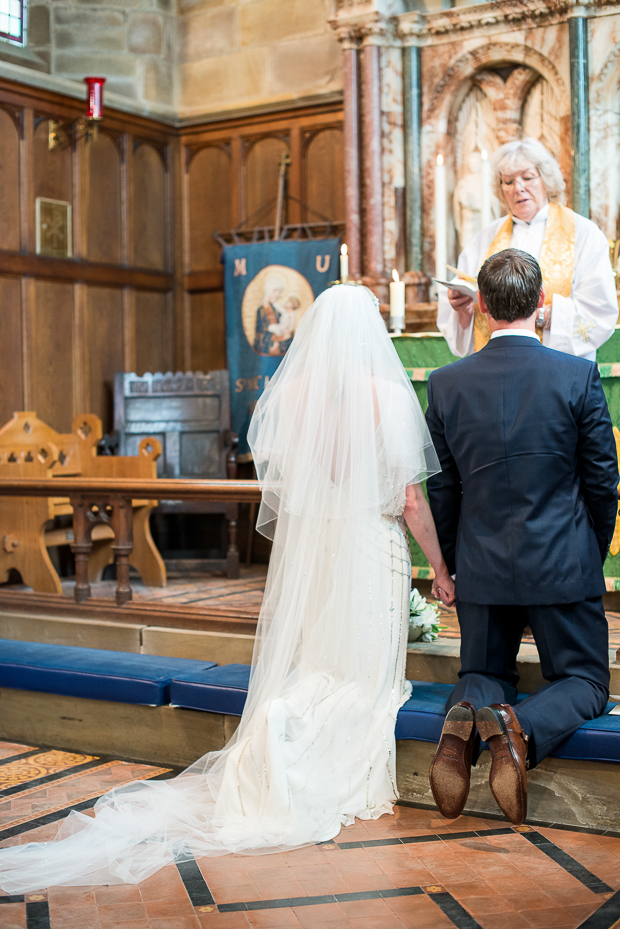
{"x":463,"y":306}
{"x":443,"y":589}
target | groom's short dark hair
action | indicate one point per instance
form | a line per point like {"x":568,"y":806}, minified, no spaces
{"x":510,"y":282}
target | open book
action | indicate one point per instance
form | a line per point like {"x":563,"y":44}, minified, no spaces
{"x":466,"y":288}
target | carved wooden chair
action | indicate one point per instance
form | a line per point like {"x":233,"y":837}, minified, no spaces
{"x":189,"y":413}
{"x":30,"y":448}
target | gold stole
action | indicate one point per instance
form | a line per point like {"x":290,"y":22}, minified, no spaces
{"x":556,"y":260}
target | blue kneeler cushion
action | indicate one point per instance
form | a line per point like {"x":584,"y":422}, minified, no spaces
{"x":215,"y":690}
{"x":98,"y":674}
{"x":224,"y":690}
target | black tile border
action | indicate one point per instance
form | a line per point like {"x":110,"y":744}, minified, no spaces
{"x":316,"y":901}
{"x":13,"y":898}
{"x":453,"y":910}
{"x":606,"y":915}
{"x":430,"y":837}
{"x":38,"y":915}
{"x":12,"y":758}
{"x":49,"y":778}
{"x":194,"y":882}
{"x":589,"y":880}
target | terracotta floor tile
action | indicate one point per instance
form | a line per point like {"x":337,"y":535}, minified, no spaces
{"x":121,"y":924}
{"x":363,"y":882}
{"x":74,"y":896}
{"x":356,"y":908}
{"x":477,"y":906}
{"x":419,"y":912}
{"x":13,"y":915}
{"x":236,"y":894}
{"x":119,"y":912}
{"x":117,"y":893}
{"x":312,"y":872}
{"x":279,"y":890}
{"x":175,"y":922}
{"x":376,"y":922}
{"x":332,"y":885}
{"x":325,"y":916}
{"x":77,"y":920}
{"x":176,"y":906}
{"x":283,"y":918}
{"x":548,"y":916}
{"x":229,"y":921}
{"x":503,"y":921}
{"x":533,"y":899}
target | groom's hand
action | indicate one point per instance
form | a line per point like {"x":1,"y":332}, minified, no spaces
{"x":443,"y":589}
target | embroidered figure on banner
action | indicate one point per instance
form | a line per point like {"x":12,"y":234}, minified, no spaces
{"x":273,"y":303}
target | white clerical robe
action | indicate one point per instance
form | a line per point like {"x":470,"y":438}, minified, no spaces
{"x":580,"y":323}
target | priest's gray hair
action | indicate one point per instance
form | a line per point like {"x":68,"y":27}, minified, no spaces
{"x":510,"y":158}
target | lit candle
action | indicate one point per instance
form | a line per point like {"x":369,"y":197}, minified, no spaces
{"x":95,"y":96}
{"x":441,"y":248}
{"x":397,"y":304}
{"x":486,"y":190}
{"x":344,"y":264}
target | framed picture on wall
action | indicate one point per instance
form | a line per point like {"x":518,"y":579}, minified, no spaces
{"x":53,"y":225}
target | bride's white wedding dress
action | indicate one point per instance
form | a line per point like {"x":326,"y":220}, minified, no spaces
{"x":336,"y":438}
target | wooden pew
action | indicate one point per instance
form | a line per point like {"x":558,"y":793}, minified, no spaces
{"x":30,"y":448}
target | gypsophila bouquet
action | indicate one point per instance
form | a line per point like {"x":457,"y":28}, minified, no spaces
{"x":423,"y":619}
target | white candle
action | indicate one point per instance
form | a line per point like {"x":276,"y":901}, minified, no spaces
{"x":344,"y":264}
{"x":441,"y":245}
{"x":486,"y":190}
{"x":397,"y":304}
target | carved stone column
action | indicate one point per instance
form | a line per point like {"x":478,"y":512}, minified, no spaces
{"x":352,"y":179}
{"x":579,"y":112}
{"x":371,"y":143}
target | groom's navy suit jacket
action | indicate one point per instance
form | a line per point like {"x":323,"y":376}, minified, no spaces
{"x":526,"y":501}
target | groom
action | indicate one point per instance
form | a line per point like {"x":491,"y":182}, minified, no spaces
{"x":525,"y":507}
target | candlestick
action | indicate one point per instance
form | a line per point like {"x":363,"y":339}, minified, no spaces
{"x":95,"y":96}
{"x":486,"y":190}
{"x":397,"y":304}
{"x":441,"y":246}
{"x":344,"y":264}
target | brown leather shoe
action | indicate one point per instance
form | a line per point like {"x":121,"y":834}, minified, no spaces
{"x":499,"y":727}
{"x":450,"y":768}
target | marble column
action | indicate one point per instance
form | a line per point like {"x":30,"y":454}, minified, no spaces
{"x":372,"y":175}
{"x":352,"y":188}
{"x":579,"y":112}
{"x":412,"y":104}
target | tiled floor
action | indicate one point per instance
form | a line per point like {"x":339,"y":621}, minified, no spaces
{"x":411,"y":870}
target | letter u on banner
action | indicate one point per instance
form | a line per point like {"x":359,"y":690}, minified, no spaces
{"x":322,"y":263}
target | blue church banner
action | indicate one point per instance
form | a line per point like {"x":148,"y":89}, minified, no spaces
{"x":268,"y":286}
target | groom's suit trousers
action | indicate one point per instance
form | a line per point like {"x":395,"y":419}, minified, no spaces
{"x":572,"y":641}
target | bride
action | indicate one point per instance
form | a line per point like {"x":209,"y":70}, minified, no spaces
{"x":340,"y":446}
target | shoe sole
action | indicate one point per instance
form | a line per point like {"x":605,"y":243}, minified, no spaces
{"x":505,"y":780}
{"x":450,"y":794}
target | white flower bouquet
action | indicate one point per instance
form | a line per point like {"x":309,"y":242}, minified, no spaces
{"x":423,"y":619}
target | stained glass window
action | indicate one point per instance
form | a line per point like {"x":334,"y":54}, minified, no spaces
{"x":12,"y":20}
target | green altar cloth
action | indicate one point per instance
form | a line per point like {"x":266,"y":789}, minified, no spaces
{"x":422,"y":352}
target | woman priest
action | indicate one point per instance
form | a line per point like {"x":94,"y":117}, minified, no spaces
{"x":581,"y":307}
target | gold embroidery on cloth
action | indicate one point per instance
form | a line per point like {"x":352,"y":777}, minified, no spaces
{"x":556,"y":260}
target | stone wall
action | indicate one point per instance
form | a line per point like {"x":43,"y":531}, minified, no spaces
{"x":202,"y":58}
{"x":244,"y":53}
{"x":130,"y":42}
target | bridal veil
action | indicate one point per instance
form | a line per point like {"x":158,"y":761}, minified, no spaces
{"x":336,"y":437}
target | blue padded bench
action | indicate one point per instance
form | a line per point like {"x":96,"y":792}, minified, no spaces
{"x":224,"y":690}
{"x":98,"y":674}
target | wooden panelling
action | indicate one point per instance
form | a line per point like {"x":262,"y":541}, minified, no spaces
{"x":324,"y":175}
{"x":9,"y":182}
{"x":52,"y":170}
{"x":153,"y":337}
{"x":208,"y":332}
{"x":210,"y":204}
{"x":103,"y":328}
{"x":67,"y":270}
{"x":11,"y":375}
{"x":102,"y":200}
{"x":51,"y":353}
{"x":261,"y":178}
{"x":149,"y":209}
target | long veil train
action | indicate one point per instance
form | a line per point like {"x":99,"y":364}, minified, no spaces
{"x":336,"y":437}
